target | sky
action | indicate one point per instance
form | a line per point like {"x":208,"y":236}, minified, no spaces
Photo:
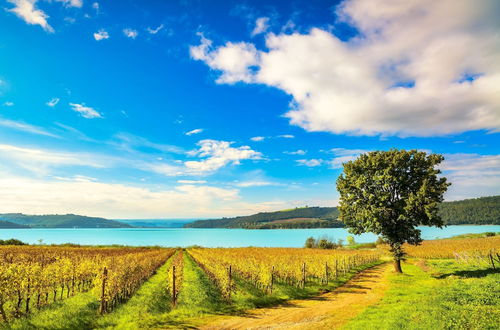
{"x":198,"y":109}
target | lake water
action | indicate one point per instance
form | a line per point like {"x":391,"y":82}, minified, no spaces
{"x":210,"y":237}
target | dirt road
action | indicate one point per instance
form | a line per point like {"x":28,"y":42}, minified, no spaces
{"x":328,"y":311}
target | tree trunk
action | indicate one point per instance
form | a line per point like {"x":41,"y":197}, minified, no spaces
{"x":397,"y":266}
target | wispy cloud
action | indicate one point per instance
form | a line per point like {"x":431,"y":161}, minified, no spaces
{"x":52,"y":102}
{"x":155,"y":31}
{"x":21,"y":126}
{"x":101,"y":35}
{"x":296,"y":152}
{"x":85,"y":111}
{"x":261,"y":26}
{"x":258,"y":138}
{"x":8,"y":104}
{"x":286,"y":136}
{"x":310,"y":162}
{"x":192,"y":181}
{"x":195,"y":131}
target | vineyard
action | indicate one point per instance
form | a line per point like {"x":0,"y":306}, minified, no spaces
{"x":34,"y":279}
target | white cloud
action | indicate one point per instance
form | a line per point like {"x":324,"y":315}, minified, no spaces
{"x":130,"y":33}
{"x":53,"y":102}
{"x":472,"y":175}
{"x":258,"y":138}
{"x":21,"y":126}
{"x":254,"y":183}
{"x":8,"y":104}
{"x":113,"y":200}
{"x":84,"y":111}
{"x":27,"y":11}
{"x":261,"y":25}
{"x":72,"y":3}
{"x":286,"y":136}
{"x":310,"y":162}
{"x":418,"y":68}
{"x":296,"y":152}
{"x":235,"y":60}
{"x":192,"y":181}
{"x":218,"y":154}
{"x":343,"y":155}
{"x":155,"y":31}
{"x":40,"y":161}
{"x":195,"y":131}
{"x":101,"y":35}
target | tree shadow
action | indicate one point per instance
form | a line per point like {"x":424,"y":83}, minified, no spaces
{"x":476,"y":273}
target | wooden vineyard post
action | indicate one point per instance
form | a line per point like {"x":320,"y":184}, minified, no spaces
{"x":492,"y":260}
{"x":272,"y":280}
{"x":303,"y":275}
{"x":326,"y":273}
{"x":103,"y":291}
{"x":174,"y":295}
{"x":229,"y":273}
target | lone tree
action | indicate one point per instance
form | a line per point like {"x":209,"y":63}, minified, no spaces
{"x":390,"y":193}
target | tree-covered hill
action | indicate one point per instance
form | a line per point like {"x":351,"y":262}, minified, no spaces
{"x":11,"y":225}
{"x":480,"y":211}
{"x":59,"y":221}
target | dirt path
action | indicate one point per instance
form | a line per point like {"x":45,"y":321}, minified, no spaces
{"x":328,"y":311}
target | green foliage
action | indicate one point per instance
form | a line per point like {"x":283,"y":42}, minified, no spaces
{"x":60,"y":221}
{"x":11,"y":241}
{"x":11,"y":225}
{"x":323,"y":242}
{"x":479,"y":211}
{"x":390,"y":193}
{"x":350,"y":240}
{"x":326,"y":217}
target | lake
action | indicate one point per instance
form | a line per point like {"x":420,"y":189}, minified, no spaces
{"x":210,"y":237}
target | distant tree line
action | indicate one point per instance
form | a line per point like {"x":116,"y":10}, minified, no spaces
{"x":478,"y":211}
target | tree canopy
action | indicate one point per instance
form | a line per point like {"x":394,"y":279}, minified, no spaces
{"x":390,"y":193}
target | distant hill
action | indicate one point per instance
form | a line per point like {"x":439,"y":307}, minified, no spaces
{"x":156,"y":223}
{"x":58,"y":221}
{"x":10,"y":225}
{"x":478,"y":211}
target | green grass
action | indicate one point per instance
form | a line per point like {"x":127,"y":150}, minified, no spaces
{"x":447,"y":296}
{"x":147,"y":306}
{"x":480,"y":235}
{"x":78,"y":312}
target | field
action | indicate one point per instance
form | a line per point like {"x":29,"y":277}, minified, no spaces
{"x":139,"y":288}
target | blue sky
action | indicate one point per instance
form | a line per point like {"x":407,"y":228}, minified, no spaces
{"x":138,"y":109}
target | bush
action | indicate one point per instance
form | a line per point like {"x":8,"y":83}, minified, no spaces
{"x":11,"y":241}
{"x":322,"y":243}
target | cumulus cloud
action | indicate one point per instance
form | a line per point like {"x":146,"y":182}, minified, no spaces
{"x":258,"y":138}
{"x":8,"y":104}
{"x":234,"y":60}
{"x":218,"y":154}
{"x":195,"y":131}
{"x":53,"y":102}
{"x":261,"y":25}
{"x":27,"y":11}
{"x":417,"y":68}
{"x":130,"y":33}
{"x":101,"y":35}
{"x":310,"y":162}
{"x":85,"y":111}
